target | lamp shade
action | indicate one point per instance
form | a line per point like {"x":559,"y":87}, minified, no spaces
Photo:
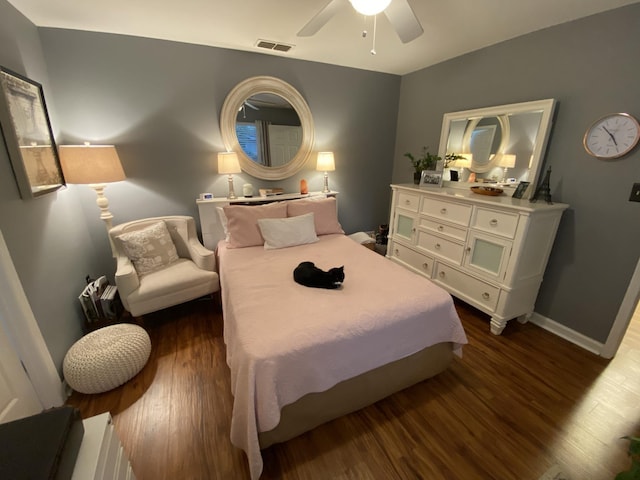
{"x":228,"y":163}
{"x":326,"y":162}
{"x":507,"y":160}
{"x":370,"y":7}
{"x":91,"y":164}
{"x":464,"y":162}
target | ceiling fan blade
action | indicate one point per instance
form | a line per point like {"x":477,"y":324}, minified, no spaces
{"x":321,"y":18}
{"x":404,"y":20}
{"x":251,"y":105}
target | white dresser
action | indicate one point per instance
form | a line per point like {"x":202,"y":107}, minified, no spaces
{"x":490,"y":252}
{"x":101,"y":455}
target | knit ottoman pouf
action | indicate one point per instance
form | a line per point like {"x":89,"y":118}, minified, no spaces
{"x":106,"y":358}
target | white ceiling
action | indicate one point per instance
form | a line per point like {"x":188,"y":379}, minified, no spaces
{"x":452,"y":27}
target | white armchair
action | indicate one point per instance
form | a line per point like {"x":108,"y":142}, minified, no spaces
{"x":190,"y":276}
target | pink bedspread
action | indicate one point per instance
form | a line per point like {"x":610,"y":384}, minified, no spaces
{"x":284,"y":340}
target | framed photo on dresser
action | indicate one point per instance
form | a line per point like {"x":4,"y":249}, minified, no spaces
{"x":432,"y":178}
{"x":520,"y":189}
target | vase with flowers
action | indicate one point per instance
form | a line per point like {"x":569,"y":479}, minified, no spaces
{"x":425,"y":161}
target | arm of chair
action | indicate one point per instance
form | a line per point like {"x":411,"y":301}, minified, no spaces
{"x":126,"y":277}
{"x":201,"y":256}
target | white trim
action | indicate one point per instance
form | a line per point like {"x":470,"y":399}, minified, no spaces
{"x":25,"y":335}
{"x":625,"y":312}
{"x":566,"y":333}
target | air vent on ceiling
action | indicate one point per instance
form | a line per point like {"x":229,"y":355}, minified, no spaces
{"x":270,"y":45}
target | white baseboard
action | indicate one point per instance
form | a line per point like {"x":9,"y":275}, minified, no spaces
{"x":566,"y":333}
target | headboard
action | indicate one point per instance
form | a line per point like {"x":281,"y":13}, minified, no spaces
{"x":212,"y":230}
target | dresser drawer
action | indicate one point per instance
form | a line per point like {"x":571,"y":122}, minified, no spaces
{"x":493,"y":221}
{"x":451,"y":212}
{"x":408,"y":201}
{"x":419,"y":261}
{"x":441,"y":246}
{"x":443,"y":229}
{"x":467,"y":286}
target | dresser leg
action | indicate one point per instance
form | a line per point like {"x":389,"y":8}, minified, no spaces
{"x":524,"y":318}
{"x":497,"y":326}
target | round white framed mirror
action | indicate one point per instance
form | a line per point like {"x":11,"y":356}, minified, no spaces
{"x":268,"y":160}
{"x":485,"y":138}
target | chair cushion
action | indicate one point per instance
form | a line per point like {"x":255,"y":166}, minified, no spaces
{"x":106,"y":358}
{"x":177,"y":283}
{"x":150,"y":248}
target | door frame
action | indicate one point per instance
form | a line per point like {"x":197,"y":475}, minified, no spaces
{"x":623,"y":318}
{"x":25,"y":336}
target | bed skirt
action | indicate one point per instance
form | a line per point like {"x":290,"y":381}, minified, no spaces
{"x":350,"y":395}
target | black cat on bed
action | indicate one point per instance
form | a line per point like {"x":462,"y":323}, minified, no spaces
{"x":309,"y":275}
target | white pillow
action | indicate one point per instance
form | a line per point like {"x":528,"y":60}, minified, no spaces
{"x":150,"y":248}
{"x":287,"y":232}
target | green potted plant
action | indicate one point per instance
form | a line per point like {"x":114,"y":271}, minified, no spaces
{"x":426,"y":161}
{"x":452,"y":157}
{"x":634,"y":452}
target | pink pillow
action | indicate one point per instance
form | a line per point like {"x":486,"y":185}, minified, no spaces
{"x":325,"y":213}
{"x":242,"y":222}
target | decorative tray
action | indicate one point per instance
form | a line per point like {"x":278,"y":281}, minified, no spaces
{"x":492,"y":191}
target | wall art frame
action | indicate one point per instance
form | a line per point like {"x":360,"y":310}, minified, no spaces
{"x":28,"y":136}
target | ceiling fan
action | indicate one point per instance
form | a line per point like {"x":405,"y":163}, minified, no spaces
{"x":398,"y":12}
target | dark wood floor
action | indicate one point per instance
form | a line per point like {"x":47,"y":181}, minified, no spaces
{"x":514,"y":406}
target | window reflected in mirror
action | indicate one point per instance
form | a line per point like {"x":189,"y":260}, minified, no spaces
{"x":268,"y":130}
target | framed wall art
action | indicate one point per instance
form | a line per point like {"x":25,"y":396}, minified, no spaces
{"x":28,"y":136}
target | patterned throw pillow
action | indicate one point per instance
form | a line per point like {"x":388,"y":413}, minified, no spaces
{"x":150,"y":248}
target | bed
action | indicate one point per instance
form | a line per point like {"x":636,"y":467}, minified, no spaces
{"x":302,"y":356}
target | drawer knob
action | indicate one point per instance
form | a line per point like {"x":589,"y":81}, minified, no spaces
{"x":468,"y":249}
{"x":425,"y":265}
{"x":440,"y":228}
{"x":443,"y":211}
{"x":413,"y":229}
{"x":407,"y":202}
{"x":493,"y":222}
{"x":438,"y":246}
{"x":397,"y":252}
{"x":441,"y":274}
{"x":486,"y":296}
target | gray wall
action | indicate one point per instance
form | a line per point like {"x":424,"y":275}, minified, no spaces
{"x":46,"y":237}
{"x":159,"y":103}
{"x":590,"y":66}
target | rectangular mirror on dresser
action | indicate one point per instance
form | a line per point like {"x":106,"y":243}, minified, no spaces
{"x":502,"y":145}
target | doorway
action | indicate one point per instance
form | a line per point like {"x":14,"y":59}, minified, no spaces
{"x":626,"y":313}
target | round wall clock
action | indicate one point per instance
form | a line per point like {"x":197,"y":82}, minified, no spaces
{"x":612,"y":136}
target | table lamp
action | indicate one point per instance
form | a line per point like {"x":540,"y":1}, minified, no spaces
{"x":228,"y":164}
{"x":326,"y":163}
{"x":93,"y":165}
{"x":506,"y":161}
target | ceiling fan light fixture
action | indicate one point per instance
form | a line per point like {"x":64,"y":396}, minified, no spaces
{"x":370,"y":7}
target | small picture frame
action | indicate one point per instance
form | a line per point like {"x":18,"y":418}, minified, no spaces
{"x":431,"y":178}
{"x":520,"y":189}
{"x":28,"y":136}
